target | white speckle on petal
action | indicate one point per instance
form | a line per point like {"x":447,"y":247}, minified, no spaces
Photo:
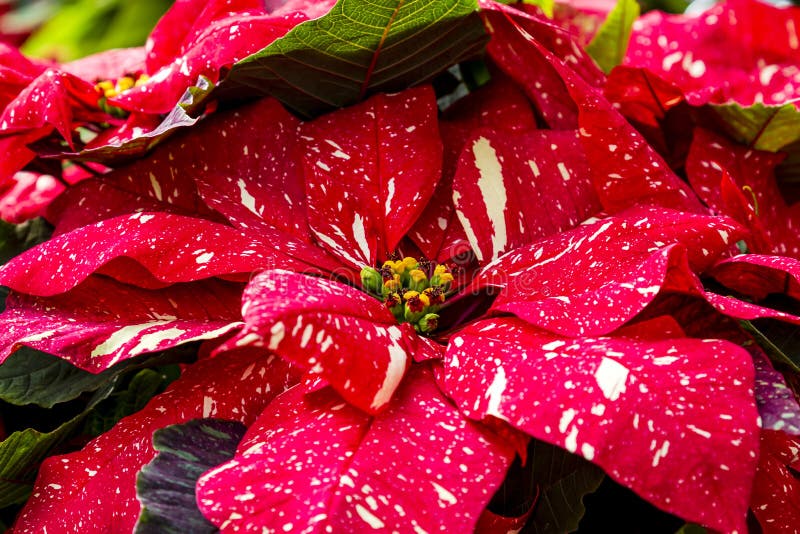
{"x":611,"y":377}
{"x":444,"y":495}
{"x":368,"y":518}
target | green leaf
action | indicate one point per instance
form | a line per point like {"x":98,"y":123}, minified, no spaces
{"x":668,"y":6}
{"x":546,"y":6}
{"x":692,"y":528}
{"x":29,"y":376}
{"x":563,"y":480}
{"x":23,"y":451}
{"x":781,"y":341}
{"x":17,"y":238}
{"x":117,"y":396}
{"x":357,"y":49}
{"x":166,"y":486}
{"x":611,"y":41}
{"x":762,"y":127}
{"x":82,"y":27}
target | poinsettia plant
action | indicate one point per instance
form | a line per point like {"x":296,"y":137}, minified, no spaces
{"x":404,"y":266}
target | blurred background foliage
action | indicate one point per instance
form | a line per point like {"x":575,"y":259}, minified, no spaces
{"x":64,"y":30}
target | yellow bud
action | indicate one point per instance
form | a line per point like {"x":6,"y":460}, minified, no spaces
{"x":110,"y":93}
{"x":391,"y":265}
{"x":104,"y":86}
{"x":445,"y":278}
{"x":408,"y":295}
{"x":424,"y":299}
{"x":125,"y":83}
{"x":409,"y":263}
{"x":142,"y":79}
{"x":418,"y":276}
{"x":442,"y":277}
{"x":393,"y":284}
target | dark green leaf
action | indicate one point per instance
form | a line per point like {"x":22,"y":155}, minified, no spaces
{"x":17,"y":238}
{"x":32,"y":377}
{"x":781,"y":341}
{"x":691,"y":528}
{"x":166,"y":486}
{"x":357,"y":49}
{"x":29,"y":376}
{"x":668,"y":6}
{"x":788,"y":171}
{"x":609,"y":45}
{"x":23,"y":451}
{"x":118,"y":396}
{"x":759,"y":126}
{"x":563,"y":480}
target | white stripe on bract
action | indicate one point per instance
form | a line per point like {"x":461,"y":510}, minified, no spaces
{"x":394,"y":371}
{"x":493,"y":191}
{"x":337,"y":249}
{"x":389,"y":197}
{"x":495,"y":394}
{"x":125,"y":334}
{"x":360,"y":234}
{"x":247,"y":200}
{"x":471,"y":237}
{"x":156,"y":187}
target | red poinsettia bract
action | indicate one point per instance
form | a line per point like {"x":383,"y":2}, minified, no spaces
{"x":567,"y":321}
{"x":120,"y":95}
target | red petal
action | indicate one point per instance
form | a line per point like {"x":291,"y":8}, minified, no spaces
{"x":511,"y":29}
{"x":181,"y":177}
{"x":593,"y":279}
{"x":346,"y":336}
{"x":667,"y":408}
{"x":253,"y":177}
{"x":740,"y":49}
{"x":102,"y":322}
{"x":185,"y":21}
{"x":16,"y":72}
{"x":54,"y":99}
{"x":214,"y":41}
{"x":757,"y":276}
{"x":419,"y":465}
{"x":164,"y":181}
{"x":625,"y":169}
{"x":108,"y":65}
{"x":28,"y":196}
{"x":499,"y":105}
{"x":170,"y":247}
{"x":642,"y":96}
{"x":509,"y":191}
{"x":776,"y":490}
{"x":96,"y":487}
{"x":712,"y":156}
{"x":370,"y":170}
